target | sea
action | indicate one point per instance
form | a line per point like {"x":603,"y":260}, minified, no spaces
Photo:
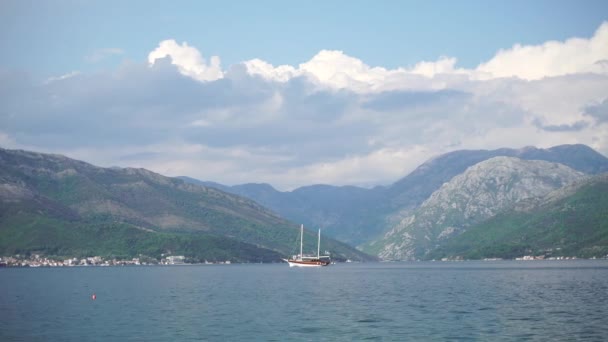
{"x":409,"y":301}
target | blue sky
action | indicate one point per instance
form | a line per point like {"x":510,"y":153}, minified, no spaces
{"x":296,"y":93}
{"x":386,"y":33}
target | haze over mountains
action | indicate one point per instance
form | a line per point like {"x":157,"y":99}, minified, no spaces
{"x":357,"y":215}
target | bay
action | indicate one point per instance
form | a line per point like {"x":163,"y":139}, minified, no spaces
{"x":417,"y":301}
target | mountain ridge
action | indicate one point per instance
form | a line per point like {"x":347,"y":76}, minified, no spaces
{"x":570,"y":221}
{"x":95,"y":200}
{"x":480,"y":192}
{"x":364,"y":214}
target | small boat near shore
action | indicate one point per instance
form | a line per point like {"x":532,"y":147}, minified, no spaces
{"x":302,"y":260}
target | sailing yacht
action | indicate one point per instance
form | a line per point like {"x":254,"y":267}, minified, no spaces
{"x":302,"y":260}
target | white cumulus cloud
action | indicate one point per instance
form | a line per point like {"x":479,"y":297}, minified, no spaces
{"x":188,"y":59}
{"x":552,"y":58}
{"x":337,"y":70}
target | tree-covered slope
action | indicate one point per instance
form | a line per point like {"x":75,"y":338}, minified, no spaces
{"x":25,"y":232}
{"x":108,"y":203}
{"x":572,"y":221}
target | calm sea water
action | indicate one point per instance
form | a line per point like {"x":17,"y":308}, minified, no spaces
{"x":488,"y":301}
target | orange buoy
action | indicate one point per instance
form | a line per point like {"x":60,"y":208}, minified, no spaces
{"x":94,"y":296}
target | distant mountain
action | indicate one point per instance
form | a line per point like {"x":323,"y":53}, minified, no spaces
{"x":571,"y":221}
{"x":412,"y":190}
{"x":343,"y":212}
{"x":357,"y":215}
{"x":53,"y":204}
{"x":480,"y":192}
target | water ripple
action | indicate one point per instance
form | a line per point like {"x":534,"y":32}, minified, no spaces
{"x":502,"y":301}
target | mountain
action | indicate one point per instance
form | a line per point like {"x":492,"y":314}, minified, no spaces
{"x":410,"y":191}
{"x":41,"y":226}
{"x":480,"y":192}
{"x":343,"y":212}
{"x":571,"y":221}
{"x":357,"y":215}
{"x":54,"y":204}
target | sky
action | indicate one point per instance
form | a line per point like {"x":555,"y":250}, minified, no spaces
{"x":298,"y":93}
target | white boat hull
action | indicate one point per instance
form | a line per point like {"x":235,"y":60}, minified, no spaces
{"x":294,"y":263}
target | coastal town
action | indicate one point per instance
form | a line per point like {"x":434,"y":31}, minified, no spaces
{"x":36,"y":260}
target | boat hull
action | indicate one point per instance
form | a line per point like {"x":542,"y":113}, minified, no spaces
{"x":307,"y":263}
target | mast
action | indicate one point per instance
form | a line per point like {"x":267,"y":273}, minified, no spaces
{"x":301,"y":239}
{"x":319,"y":245}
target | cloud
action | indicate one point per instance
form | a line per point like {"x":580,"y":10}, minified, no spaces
{"x":282,"y":73}
{"x":553,"y":58}
{"x":392,"y":100}
{"x":334,"y":69}
{"x":575,"y":127}
{"x":363,"y":170}
{"x":188,"y":59}
{"x":63,"y":77}
{"x":598,"y":111}
{"x":332,"y":119}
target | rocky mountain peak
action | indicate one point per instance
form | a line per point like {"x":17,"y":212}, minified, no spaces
{"x":477,"y":194}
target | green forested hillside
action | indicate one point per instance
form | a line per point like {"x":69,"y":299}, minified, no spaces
{"x":569,"y":222}
{"x":59,"y":205}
